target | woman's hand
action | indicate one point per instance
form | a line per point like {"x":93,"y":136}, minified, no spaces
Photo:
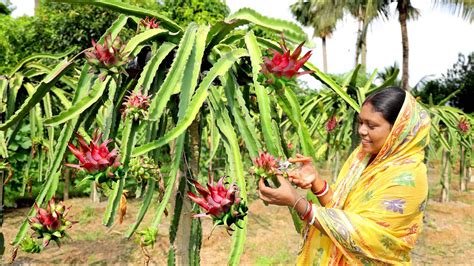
{"x":305,"y":176}
{"x":285,"y":195}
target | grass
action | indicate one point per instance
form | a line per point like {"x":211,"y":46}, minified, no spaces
{"x":279,"y":257}
{"x":87,"y":215}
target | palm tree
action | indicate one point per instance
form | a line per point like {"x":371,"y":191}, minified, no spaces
{"x":406,"y":11}
{"x":465,"y":8}
{"x":365,"y":11}
{"x":322,"y":16}
{"x":388,"y":72}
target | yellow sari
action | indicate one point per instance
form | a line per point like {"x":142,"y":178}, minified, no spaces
{"x":376,"y":211}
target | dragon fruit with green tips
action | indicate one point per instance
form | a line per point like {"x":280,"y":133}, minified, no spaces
{"x":223,"y":205}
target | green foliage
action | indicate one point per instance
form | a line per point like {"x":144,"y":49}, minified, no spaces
{"x":206,"y":12}
{"x":459,"y":77}
{"x":6,"y":7}
{"x":56,"y":28}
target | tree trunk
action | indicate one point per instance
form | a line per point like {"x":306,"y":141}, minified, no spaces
{"x":325,"y":56}
{"x":402,"y":7}
{"x":363,"y":56}
{"x":95,"y":196}
{"x":359,"y":39}
{"x":445,"y":177}
{"x":469,"y":175}
{"x":2,"y":177}
{"x":183,"y":233}
{"x":37,"y":6}
{"x":2,"y":239}
{"x":67,"y":181}
{"x":462,"y":175}
{"x":185,"y":246}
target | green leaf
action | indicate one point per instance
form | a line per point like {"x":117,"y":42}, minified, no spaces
{"x":301,"y":128}
{"x":215,"y":137}
{"x":59,"y":150}
{"x":241,"y":114}
{"x":65,"y":79}
{"x":39,"y":56}
{"x":14,"y":86}
{"x":113,"y":203}
{"x":106,"y":113}
{"x":128,"y":142}
{"x":264,"y":103}
{"x":221,"y":30}
{"x":387,"y":82}
{"x":3,"y":93}
{"x":175,"y":74}
{"x":219,"y":68}
{"x":40,"y":92}
{"x":149,"y":72}
{"x":78,"y":108}
{"x":62,"y":98}
{"x":142,"y":37}
{"x":236,"y":165}
{"x":192,"y":71}
{"x":143,"y":208}
{"x":114,"y":29}
{"x":129,"y":10}
{"x":333,"y":85}
{"x":290,"y":30}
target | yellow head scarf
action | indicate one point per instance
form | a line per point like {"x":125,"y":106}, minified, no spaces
{"x":377,"y":209}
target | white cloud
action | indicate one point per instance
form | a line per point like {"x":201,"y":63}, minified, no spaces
{"x":23,"y":7}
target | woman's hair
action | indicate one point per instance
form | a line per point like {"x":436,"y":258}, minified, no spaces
{"x":388,"y":101}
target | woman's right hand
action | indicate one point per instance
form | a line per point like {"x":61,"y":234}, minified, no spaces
{"x":304,"y":176}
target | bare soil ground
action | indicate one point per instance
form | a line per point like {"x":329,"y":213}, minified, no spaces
{"x":448,"y":236}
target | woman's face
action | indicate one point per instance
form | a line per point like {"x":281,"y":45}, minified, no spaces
{"x":373,"y":129}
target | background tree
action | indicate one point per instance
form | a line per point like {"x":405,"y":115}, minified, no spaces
{"x":184,"y":12}
{"x":406,"y":12}
{"x":322,"y":16}
{"x":57,"y":27}
{"x":365,"y":11}
{"x":459,"y":79}
{"x":5,"y":7}
{"x":465,"y":8}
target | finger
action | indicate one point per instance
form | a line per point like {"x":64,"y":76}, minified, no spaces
{"x":297,"y":182}
{"x":281,"y":179}
{"x":262,"y":197}
{"x":300,"y":160}
{"x":293,"y":174}
{"x":262,"y":187}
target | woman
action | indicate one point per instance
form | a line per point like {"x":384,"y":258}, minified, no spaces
{"x":373,"y":213}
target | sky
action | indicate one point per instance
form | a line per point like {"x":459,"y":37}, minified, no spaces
{"x":435,"y":39}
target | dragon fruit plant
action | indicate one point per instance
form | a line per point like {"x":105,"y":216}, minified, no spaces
{"x":265,"y":166}
{"x":284,"y":66}
{"x":143,"y":168}
{"x":149,"y":23}
{"x":463,"y":125}
{"x":222,"y":204}
{"x":95,"y":159}
{"x":331,"y":124}
{"x":136,"y":106}
{"x":109,"y":56}
{"x":49,"y":224}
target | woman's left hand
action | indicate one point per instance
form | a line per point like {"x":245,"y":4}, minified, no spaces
{"x":285,"y":195}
